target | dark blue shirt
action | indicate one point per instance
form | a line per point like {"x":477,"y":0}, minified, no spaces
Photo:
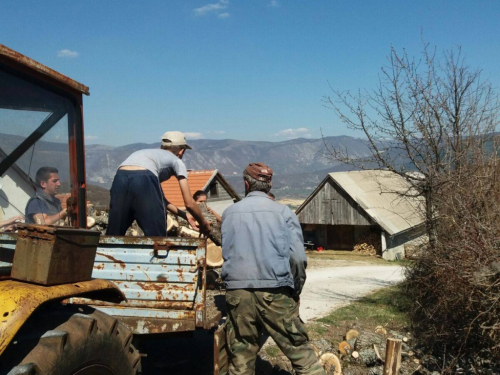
{"x":41,"y":203}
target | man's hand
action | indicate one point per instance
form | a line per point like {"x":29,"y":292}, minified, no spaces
{"x":205,"y":228}
{"x":191,"y":220}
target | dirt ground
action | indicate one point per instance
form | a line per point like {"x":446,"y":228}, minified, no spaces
{"x":340,"y":258}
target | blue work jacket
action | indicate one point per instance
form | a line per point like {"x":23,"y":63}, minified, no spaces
{"x":262,"y":245}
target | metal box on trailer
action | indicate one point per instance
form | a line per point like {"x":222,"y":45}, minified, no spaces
{"x":51,"y":255}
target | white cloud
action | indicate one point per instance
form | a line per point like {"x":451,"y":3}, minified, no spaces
{"x":68,"y":54}
{"x":224,"y":15}
{"x":209,"y":8}
{"x":293,"y":133}
{"x":274,"y":4}
{"x":216,"y":132}
{"x":193,"y":135}
{"x":91,"y":137}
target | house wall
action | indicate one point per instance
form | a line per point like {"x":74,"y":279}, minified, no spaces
{"x":221,"y":200}
{"x":395,"y":245}
{"x":222,"y":194}
{"x":331,"y":205}
{"x":14,"y":195}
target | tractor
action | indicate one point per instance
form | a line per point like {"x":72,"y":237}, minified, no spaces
{"x":72,"y":301}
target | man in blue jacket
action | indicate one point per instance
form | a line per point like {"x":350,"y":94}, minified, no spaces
{"x":264,"y":272}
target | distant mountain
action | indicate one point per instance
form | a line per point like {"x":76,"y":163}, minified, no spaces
{"x":298,"y":164}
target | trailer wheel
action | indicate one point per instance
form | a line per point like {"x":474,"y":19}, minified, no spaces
{"x":71,"y":340}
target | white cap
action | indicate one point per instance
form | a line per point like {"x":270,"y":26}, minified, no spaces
{"x":174,"y":138}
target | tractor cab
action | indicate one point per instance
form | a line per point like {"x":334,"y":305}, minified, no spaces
{"x":41,"y":125}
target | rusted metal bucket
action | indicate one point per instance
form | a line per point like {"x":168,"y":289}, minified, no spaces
{"x":51,"y":255}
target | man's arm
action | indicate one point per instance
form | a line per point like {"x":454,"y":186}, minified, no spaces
{"x":191,"y":206}
{"x":37,"y":211}
{"x":298,"y":259}
{"x":10,"y":221}
{"x":176,"y":211}
{"x":45,"y":219}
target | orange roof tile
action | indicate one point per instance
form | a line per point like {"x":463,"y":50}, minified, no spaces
{"x":197,"y":180}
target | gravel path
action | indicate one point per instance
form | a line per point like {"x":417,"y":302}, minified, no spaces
{"x":332,"y":287}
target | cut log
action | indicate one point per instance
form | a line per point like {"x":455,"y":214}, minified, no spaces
{"x":392,"y":357}
{"x":351,"y":334}
{"x":214,"y":255}
{"x":344,"y":348}
{"x":172,"y":223}
{"x":365,"y":346}
{"x":90,"y":221}
{"x":352,"y":342}
{"x":377,"y":353}
{"x":368,"y":357}
{"x":186,"y":232}
{"x":355,"y":355}
{"x":380,"y":330}
{"x":366,"y":340}
{"x":329,"y":360}
{"x":215,"y":232}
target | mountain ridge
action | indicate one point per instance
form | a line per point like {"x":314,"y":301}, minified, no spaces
{"x":289,"y":159}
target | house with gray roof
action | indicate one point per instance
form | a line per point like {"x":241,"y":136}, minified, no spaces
{"x":347,"y":205}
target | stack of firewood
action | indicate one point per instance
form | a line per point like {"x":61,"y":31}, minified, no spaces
{"x":369,"y":243}
{"x":214,"y":250}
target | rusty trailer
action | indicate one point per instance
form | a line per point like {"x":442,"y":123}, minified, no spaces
{"x":163,"y":280}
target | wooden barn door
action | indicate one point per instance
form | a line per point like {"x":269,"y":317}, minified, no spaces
{"x":340,"y":237}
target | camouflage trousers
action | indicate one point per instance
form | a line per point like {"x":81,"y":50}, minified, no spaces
{"x":254,"y":311}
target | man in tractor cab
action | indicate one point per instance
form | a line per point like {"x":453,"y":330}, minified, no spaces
{"x":136,"y":193}
{"x":44,"y":208}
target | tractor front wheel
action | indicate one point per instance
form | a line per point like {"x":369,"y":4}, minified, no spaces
{"x":71,"y":340}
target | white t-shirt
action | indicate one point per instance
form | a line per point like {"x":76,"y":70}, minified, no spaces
{"x":162,"y":163}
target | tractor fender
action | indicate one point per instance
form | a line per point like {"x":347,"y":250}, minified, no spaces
{"x":18,"y":300}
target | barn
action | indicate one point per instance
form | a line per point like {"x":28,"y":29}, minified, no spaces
{"x":220,"y":194}
{"x":348,"y":207}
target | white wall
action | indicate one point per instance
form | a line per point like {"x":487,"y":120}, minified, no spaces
{"x":14,"y":194}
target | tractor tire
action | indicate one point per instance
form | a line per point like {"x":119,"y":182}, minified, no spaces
{"x":71,"y":340}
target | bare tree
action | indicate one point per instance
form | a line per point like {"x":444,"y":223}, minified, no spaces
{"x":433,"y":122}
{"x":431,"y":116}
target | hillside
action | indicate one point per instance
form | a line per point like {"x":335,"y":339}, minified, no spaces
{"x":299,"y":164}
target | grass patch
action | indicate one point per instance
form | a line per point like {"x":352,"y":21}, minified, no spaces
{"x":272,"y":351}
{"x":316,"y":330}
{"x":383,"y":307}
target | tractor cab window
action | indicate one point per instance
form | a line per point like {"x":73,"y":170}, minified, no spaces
{"x":35,"y":128}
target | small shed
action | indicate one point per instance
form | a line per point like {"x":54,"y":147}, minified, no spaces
{"x":349,"y":206}
{"x":220,"y":194}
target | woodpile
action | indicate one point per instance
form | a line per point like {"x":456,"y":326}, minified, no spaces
{"x":214,"y":250}
{"x":370,"y":348}
{"x":369,"y":244}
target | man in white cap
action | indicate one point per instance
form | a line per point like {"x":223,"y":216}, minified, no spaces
{"x":136,"y":192}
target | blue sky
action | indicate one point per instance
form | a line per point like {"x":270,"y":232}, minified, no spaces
{"x":239,"y":69}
